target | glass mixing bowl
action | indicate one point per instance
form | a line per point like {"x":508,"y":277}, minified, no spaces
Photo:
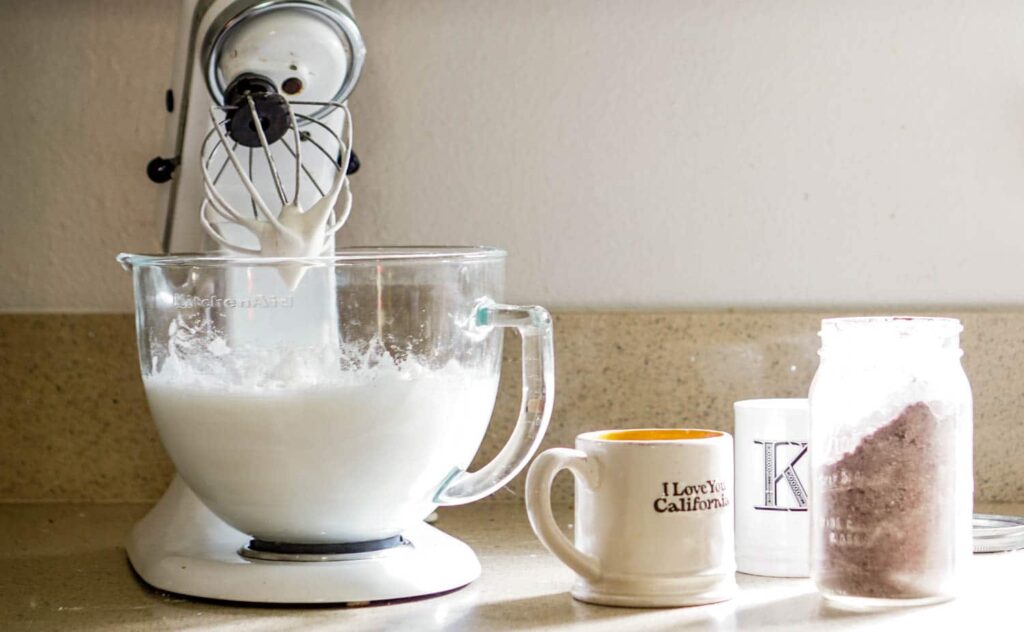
{"x":344,"y":410}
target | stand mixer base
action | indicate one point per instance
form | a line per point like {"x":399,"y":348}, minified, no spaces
{"x":182,"y":547}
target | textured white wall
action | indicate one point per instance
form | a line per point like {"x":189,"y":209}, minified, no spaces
{"x":81,"y":113}
{"x":663,"y":153}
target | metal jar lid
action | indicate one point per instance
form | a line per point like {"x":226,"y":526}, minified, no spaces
{"x":994,"y":534}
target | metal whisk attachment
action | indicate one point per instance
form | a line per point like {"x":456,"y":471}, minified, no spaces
{"x":258,"y":134}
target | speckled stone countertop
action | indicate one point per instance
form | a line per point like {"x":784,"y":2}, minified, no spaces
{"x":63,"y":567}
{"x":76,"y":427}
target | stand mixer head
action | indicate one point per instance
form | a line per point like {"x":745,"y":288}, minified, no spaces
{"x":297,"y":61}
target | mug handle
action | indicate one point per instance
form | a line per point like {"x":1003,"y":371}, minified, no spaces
{"x":534,"y":326}
{"x":538,"y":505}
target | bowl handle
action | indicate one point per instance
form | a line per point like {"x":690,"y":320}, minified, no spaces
{"x":535,"y":329}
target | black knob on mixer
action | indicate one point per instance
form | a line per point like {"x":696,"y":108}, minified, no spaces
{"x":270,"y":109}
{"x":160,"y":169}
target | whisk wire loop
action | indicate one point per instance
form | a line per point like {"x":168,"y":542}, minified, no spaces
{"x":292,"y":230}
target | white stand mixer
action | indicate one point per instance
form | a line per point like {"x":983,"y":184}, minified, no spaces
{"x":299,"y":49}
{"x":182,"y":547}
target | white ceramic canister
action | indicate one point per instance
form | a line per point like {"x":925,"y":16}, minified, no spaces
{"x":772,"y":478}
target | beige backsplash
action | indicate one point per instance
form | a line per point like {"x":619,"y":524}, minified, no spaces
{"x":75,"y":425}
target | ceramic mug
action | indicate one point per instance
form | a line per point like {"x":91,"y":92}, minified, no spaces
{"x":654,"y":516}
{"x":773,"y":528}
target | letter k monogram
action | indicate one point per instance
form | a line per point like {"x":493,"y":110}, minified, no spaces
{"x":772,"y":478}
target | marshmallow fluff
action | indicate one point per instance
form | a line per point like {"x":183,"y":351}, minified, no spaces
{"x":299,"y":460}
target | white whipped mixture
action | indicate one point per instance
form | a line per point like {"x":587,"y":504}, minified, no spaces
{"x":344,"y":456}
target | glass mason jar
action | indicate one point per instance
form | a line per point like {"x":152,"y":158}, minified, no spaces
{"x":891,"y":462}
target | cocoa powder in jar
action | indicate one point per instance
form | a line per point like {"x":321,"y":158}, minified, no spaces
{"x":888,"y":510}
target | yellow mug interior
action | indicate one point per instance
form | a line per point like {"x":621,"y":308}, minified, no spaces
{"x":657,"y":434}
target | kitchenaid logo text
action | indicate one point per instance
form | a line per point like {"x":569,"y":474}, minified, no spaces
{"x":257,"y":301}
{"x":790,"y":453}
{"x":703,"y":496}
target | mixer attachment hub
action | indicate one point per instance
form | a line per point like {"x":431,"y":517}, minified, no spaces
{"x":272,"y":113}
